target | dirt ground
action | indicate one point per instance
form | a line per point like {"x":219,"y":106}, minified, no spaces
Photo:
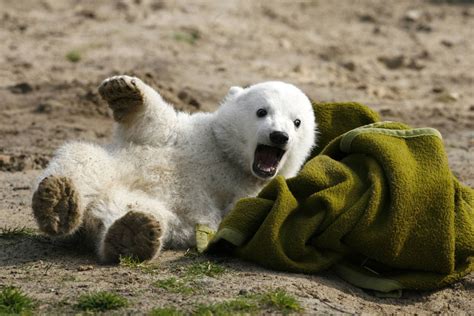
{"x":413,"y":61}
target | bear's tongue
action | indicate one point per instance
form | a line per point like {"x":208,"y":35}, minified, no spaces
{"x":266,"y":160}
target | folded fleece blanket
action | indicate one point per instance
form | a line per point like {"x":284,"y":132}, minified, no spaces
{"x":376,"y":201}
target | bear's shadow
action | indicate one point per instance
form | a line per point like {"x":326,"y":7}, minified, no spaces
{"x":22,"y":250}
{"x":325,"y":279}
{"x":25,"y":250}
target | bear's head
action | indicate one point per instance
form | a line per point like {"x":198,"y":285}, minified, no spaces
{"x":268,"y":128}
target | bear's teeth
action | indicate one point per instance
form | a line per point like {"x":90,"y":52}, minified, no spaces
{"x":267,"y":158}
{"x":265,"y":168}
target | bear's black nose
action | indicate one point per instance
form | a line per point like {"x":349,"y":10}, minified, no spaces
{"x":279,"y":138}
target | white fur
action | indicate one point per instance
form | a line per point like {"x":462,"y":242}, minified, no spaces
{"x":187,"y":169}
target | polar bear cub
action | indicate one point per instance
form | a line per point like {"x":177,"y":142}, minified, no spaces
{"x":166,"y":171}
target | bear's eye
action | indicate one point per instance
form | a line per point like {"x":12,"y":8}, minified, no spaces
{"x":261,"y":112}
{"x":297,"y":122}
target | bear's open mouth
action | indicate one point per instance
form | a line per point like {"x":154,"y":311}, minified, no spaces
{"x":266,"y":160}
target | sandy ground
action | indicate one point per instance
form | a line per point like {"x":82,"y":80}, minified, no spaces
{"x":410,"y":60}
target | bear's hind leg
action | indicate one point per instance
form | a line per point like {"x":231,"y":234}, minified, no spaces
{"x":74,"y":177}
{"x":132,"y":224}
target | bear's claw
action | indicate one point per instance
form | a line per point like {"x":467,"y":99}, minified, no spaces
{"x":123,"y":95}
{"x":136,"y":234}
{"x":56,"y":206}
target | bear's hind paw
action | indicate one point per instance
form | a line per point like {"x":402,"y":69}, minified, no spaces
{"x":56,"y":206}
{"x":136,"y":234}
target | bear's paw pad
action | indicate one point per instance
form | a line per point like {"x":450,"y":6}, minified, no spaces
{"x":136,"y":234}
{"x":56,"y":206}
{"x":123,"y":94}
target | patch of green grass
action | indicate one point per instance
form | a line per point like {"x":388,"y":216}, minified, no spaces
{"x":174,"y":285}
{"x":188,"y":36}
{"x":15,"y":232}
{"x":207,"y":268}
{"x":101,"y":301}
{"x":191,"y":253}
{"x":166,"y":311}
{"x":187,"y":282}
{"x":237,"y":306}
{"x":14,"y":301}
{"x":279,"y":300}
{"x":132,"y":262}
{"x":253,"y":304}
{"x":73,"y":56}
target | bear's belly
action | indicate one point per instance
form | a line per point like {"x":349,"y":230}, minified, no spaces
{"x":198,"y":189}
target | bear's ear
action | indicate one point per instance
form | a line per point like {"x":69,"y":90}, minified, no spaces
{"x":233,"y":91}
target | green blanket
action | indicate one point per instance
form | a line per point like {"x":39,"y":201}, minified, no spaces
{"x":377,"y":202}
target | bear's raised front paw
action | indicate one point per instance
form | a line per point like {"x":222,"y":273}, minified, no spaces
{"x":135,"y":234}
{"x":124,"y":94}
{"x":56,"y":206}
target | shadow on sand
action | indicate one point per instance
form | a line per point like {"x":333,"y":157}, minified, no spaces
{"x":41,"y":252}
{"x":20,"y":250}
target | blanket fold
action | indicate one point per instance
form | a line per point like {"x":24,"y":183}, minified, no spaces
{"x":377,"y":197}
